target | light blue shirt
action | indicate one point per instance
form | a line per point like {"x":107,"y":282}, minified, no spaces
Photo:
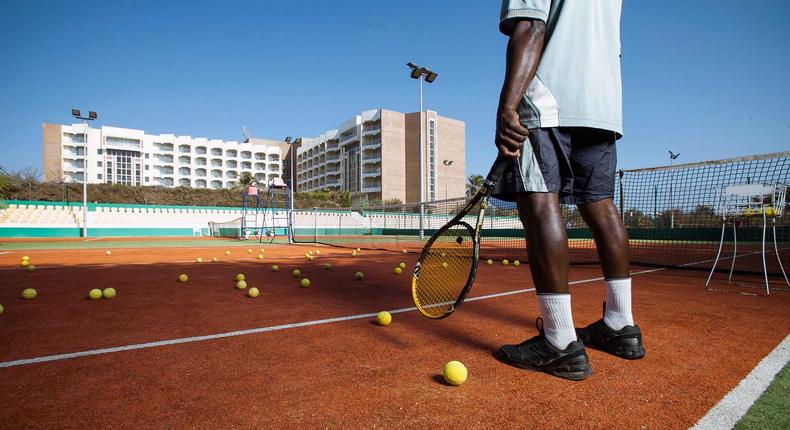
{"x":577,"y":83}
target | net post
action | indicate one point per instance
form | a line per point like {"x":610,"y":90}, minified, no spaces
{"x":315,"y":224}
{"x":422,"y":215}
{"x":620,"y":175}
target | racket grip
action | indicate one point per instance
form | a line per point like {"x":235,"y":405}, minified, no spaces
{"x":497,"y":169}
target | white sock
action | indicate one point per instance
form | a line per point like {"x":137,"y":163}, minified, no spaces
{"x":557,"y":319}
{"x":618,"y":304}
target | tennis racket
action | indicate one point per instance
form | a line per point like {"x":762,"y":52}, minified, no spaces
{"x":447,"y":266}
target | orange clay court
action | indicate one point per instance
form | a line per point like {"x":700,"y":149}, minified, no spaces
{"x":202,"y":354}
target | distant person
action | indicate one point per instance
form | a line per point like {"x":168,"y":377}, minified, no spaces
{"x":559,"y":116}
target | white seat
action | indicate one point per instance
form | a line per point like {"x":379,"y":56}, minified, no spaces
{"x":746,"y":201}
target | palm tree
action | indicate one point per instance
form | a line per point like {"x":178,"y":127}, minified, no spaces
{"x":246,"y":180}
{"x":473,"y":183}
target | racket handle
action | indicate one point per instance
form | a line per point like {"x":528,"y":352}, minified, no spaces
{"x":497,"y":169}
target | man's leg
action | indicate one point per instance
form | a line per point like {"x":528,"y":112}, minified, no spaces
{"x":547,"y":248}
{"x":611,"y":239}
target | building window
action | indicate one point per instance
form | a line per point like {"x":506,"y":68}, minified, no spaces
{"x":147,"y":166}
{"x":98,"y":176}
{"x":99,"y":151}
{"x":432,"y":159}
{"x":146,"y":155}
{"x":98,"y":163}
{"x":147,"y":179}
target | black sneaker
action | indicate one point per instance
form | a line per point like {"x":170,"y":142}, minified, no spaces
{"x":624,"y":343}
{"x":538,"y":354}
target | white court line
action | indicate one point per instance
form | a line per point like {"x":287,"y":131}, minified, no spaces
{"x":737,"y":402}
{"x":5,"y":252}
{"x":91,"y":240}
{"x":146,"y":345}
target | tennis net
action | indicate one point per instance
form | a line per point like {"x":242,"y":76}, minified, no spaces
{"x":669,"y":213}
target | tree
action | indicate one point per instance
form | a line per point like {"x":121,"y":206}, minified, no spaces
{"x":246,"y":179}
{"x":473,"y":183}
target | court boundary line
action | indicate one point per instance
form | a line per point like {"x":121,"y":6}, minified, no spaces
{"x":734,"y":406}
{"x":236,"y":333}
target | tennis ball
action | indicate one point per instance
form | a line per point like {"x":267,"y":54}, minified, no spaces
{"x":404,"y":251}
{"x":304,"y":282}
{"x":253,"y":292}
{"x":402,"y":265}
{"x":1,"y":309}
{"x":398,"y":271}
{"x":94,"y":294}
{"x":227,"y":252}
{"x":199,"y":260}
{"x":108,"y":252}
{"x":489,"y":261}
{"x":109,"y":293}
{"x":444,"y":255}
{"x":214,"y":259}
{"x":383,"y":318}
{"x":353,"y":253}
{"x":516,"y":263}
{"x":262,"y":249}
{"x":30,"y":268}
{"x":260,"y":256}
{"x":241,"y":285}
{"x":359,"y":275}
{"x":29,"y":293}
{"x":505,"y":262}
{"x":240,"y":277}
{"x":249,"y":251}
{"x":296,"y":273}
{"x":275,"y":268}
{"x":307,"y":256}
{"x":317,"y":252}
{"x":444,"y":264}
{"x":25,"y":258}
{"x":359,"y":249}
{"x":327,"y":266}
{"x":454,"y":373}
{"x":24,"y":263}
{"x":183,"y":277}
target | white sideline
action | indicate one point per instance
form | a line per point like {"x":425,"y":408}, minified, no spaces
{"x":737,"y":402}
{"x":146,"y":345}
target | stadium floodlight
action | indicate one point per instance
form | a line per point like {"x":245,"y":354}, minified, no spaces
{"x":91,"y":116}
{"x":447,"y":163}
{"x":422,"y":74}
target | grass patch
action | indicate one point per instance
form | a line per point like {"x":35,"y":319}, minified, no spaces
{"x":771,"y":409}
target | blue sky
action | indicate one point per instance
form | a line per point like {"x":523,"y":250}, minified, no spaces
{"x":708,"y":79}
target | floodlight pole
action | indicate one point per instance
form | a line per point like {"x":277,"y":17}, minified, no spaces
{"x":447,"y":164}
{"x":422,"y":166}
{"x":91,"y":116}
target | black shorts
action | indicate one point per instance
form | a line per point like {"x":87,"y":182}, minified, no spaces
{"x":575,"y":162}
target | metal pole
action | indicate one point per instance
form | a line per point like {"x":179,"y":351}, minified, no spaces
{"x":85,"y":182}
{"x":422,"y":167}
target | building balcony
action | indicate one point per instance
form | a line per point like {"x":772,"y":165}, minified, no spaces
{"x":371,"y":188}
{"x":371,"y":174}
{"x":372,"y":131}
{"x":371,"y":160}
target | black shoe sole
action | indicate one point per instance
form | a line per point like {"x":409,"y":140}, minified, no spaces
{"x":575,"y":369}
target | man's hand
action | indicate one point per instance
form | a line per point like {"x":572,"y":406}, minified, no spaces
{"x":523,"y":55}
{"x":510,"y":134}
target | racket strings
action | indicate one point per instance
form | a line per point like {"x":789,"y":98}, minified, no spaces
{"x":444,"y":271}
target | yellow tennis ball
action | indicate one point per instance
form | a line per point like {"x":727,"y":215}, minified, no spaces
{"x":359,"y":249}
{"x":240,"y":277}
{"x":489,"y":261}
{"x":108,"y":252}
{"x":444,"y":255}
{"x":227,"y":252}
{"x":296,"y":273}
{"x":311,"y":258}
{"x":383,"y":318}
{"x":516,"y":263}
{"x":359,"y":275}
{"x":1,"y":309}
{"x":304,"y":282}
{"x":94,"y":294}
{"x":262,"y":249}
{"x":307,"y":255}
{"x":199,"y":260}
{"x":260,"y":256}
{"x":398,"y":271}
{"x":25,"y":258}
{"x":214,"y":259}
{"x":402,"y":265}
{"x":241,"y":285}
{"x":249,"y":251}
{"x":318,"y":252}
{"x":183,"y":277}
{"x":109,"y":293}
{"x":454,"y":373}
{"x":24,"y":263}
{"x":30,"y":268}
{"x":253,"y":292}
{"x":275,"y":268}
{"x":353,"y":253}
{"x":327,"y":266}
{"x":29,"y":293}
{"x":505,"y":262}
{"x":404,"y":251}
{"x":444,"y":264}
